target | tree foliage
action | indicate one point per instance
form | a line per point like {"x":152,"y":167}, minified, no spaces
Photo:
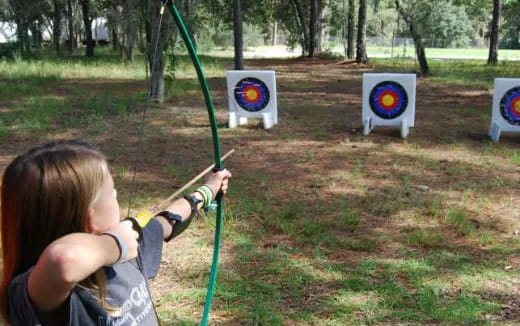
{"x":445,"y":24}
{"x":511,"y":24}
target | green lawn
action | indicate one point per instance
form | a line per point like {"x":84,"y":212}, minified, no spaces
{"x":469,"y":53}
{"x":323,"y":226}
{"x":409,"y":51}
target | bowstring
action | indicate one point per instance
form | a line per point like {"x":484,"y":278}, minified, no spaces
{"x":141,"y":129}
{"x":143,"y":117}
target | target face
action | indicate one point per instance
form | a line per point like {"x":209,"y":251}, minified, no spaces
{"x":251,"y":94}
{"x":510,"y":106}
{"x":388,"y":99}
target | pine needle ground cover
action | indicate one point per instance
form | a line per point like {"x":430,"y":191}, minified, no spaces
{"x":323,"y":226}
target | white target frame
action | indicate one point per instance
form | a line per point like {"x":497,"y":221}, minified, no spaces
{"x":237,"y":114}
{"x":406,"y":119}
{"x":498,"y":123}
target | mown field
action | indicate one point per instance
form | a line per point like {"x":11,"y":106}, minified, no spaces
{"x":408,"y":51}
{"x":323,"y":226}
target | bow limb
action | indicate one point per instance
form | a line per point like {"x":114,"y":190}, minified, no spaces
{"x":216,"y":148}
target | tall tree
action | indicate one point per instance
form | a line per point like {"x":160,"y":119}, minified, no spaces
{"x":274,"y":34}
{"x":57,"y":11}
{"x":350,"y":29}
{"x":237,"y":35}
{"x":87,"y":22}
{"x":23,"y":13}
{"x":409,"y":15}
{"x":190,"y":19}
{"x":361,"y":54}
{"x":493,"y":36}
{"x":71,"y":45}
{"x":320,"y":28}
{"x":298,"y":7}
{"x":510,"y":31}
{"x":158,"y":35}
{"x":313,"y":28}
{"x":36,"y":28}
{"x":130,"y":25}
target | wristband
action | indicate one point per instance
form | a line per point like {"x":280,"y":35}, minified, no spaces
{"x":123,"y":251}
{"x":208,"y":194}
{"x":203,"y":195}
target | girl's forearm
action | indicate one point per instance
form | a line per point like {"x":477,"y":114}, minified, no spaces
{"x":180,"y":207}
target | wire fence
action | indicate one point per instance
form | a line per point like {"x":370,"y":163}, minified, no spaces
{"x":399,"y":47}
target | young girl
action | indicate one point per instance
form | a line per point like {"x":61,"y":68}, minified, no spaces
{"x":68,"y":258}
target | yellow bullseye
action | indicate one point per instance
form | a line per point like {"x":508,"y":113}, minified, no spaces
{"x":251,"y":94}
{"x":388,"y":100}
{"x":516,"y":107}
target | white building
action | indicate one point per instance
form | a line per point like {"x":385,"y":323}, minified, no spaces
{"x":7,"y":32}
{"x":100,"y":32}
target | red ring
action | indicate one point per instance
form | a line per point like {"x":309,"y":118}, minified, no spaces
{"x":391,"y":106}
{"x":254,"y":89}
{"x":515,"y":106}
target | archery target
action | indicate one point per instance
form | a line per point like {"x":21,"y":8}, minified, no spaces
{"x":388,"y":99}
{"x":505,"y":115}
{"x":510,"y":106}
{"x":251,"y":94}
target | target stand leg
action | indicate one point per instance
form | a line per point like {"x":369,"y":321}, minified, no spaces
{"x":242,"y":121}
{"x":268,"y":120}
{"x":405,"y":128}
{"x":367,"y":126}
{"x":233,"y":123}
{"x":494,"y":132}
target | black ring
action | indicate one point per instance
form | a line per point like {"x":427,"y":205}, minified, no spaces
{"x":397,"y":95}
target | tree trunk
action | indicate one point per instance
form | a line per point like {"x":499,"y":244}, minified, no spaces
{"x":419,"y":49}
{"x":37,"y":35}
{"x":493,"y":37}
{"x":22,"y":33}
{"x":301,"y":18}
{"x":275,"y":33}
{"x":237,"y":35}
{"x":141,"y":37}
{"x":115,"y":38}
{"x":56,"y":25}
{"x":87,"y":21}
{"x":320,"y":32}
{"x":70,"y":24}
{"x":417,"y":38}
{"x":129,"y":29}
{"x":361,"y":54}
{"x":188,"y":17}
{"x":313,"y":28}
{"x":350,"y":29}
{"x":157,"y":36}
{"x":77,"y":34}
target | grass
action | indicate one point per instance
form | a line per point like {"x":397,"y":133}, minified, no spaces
{"x":450,"y":53}
{"x":322,"y":225}
{"x":461,"y":72}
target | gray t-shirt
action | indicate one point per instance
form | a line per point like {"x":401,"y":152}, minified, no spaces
{"x":127,"y":290}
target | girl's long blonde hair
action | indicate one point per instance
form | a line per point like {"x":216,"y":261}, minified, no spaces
{"x":45,"y":195}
